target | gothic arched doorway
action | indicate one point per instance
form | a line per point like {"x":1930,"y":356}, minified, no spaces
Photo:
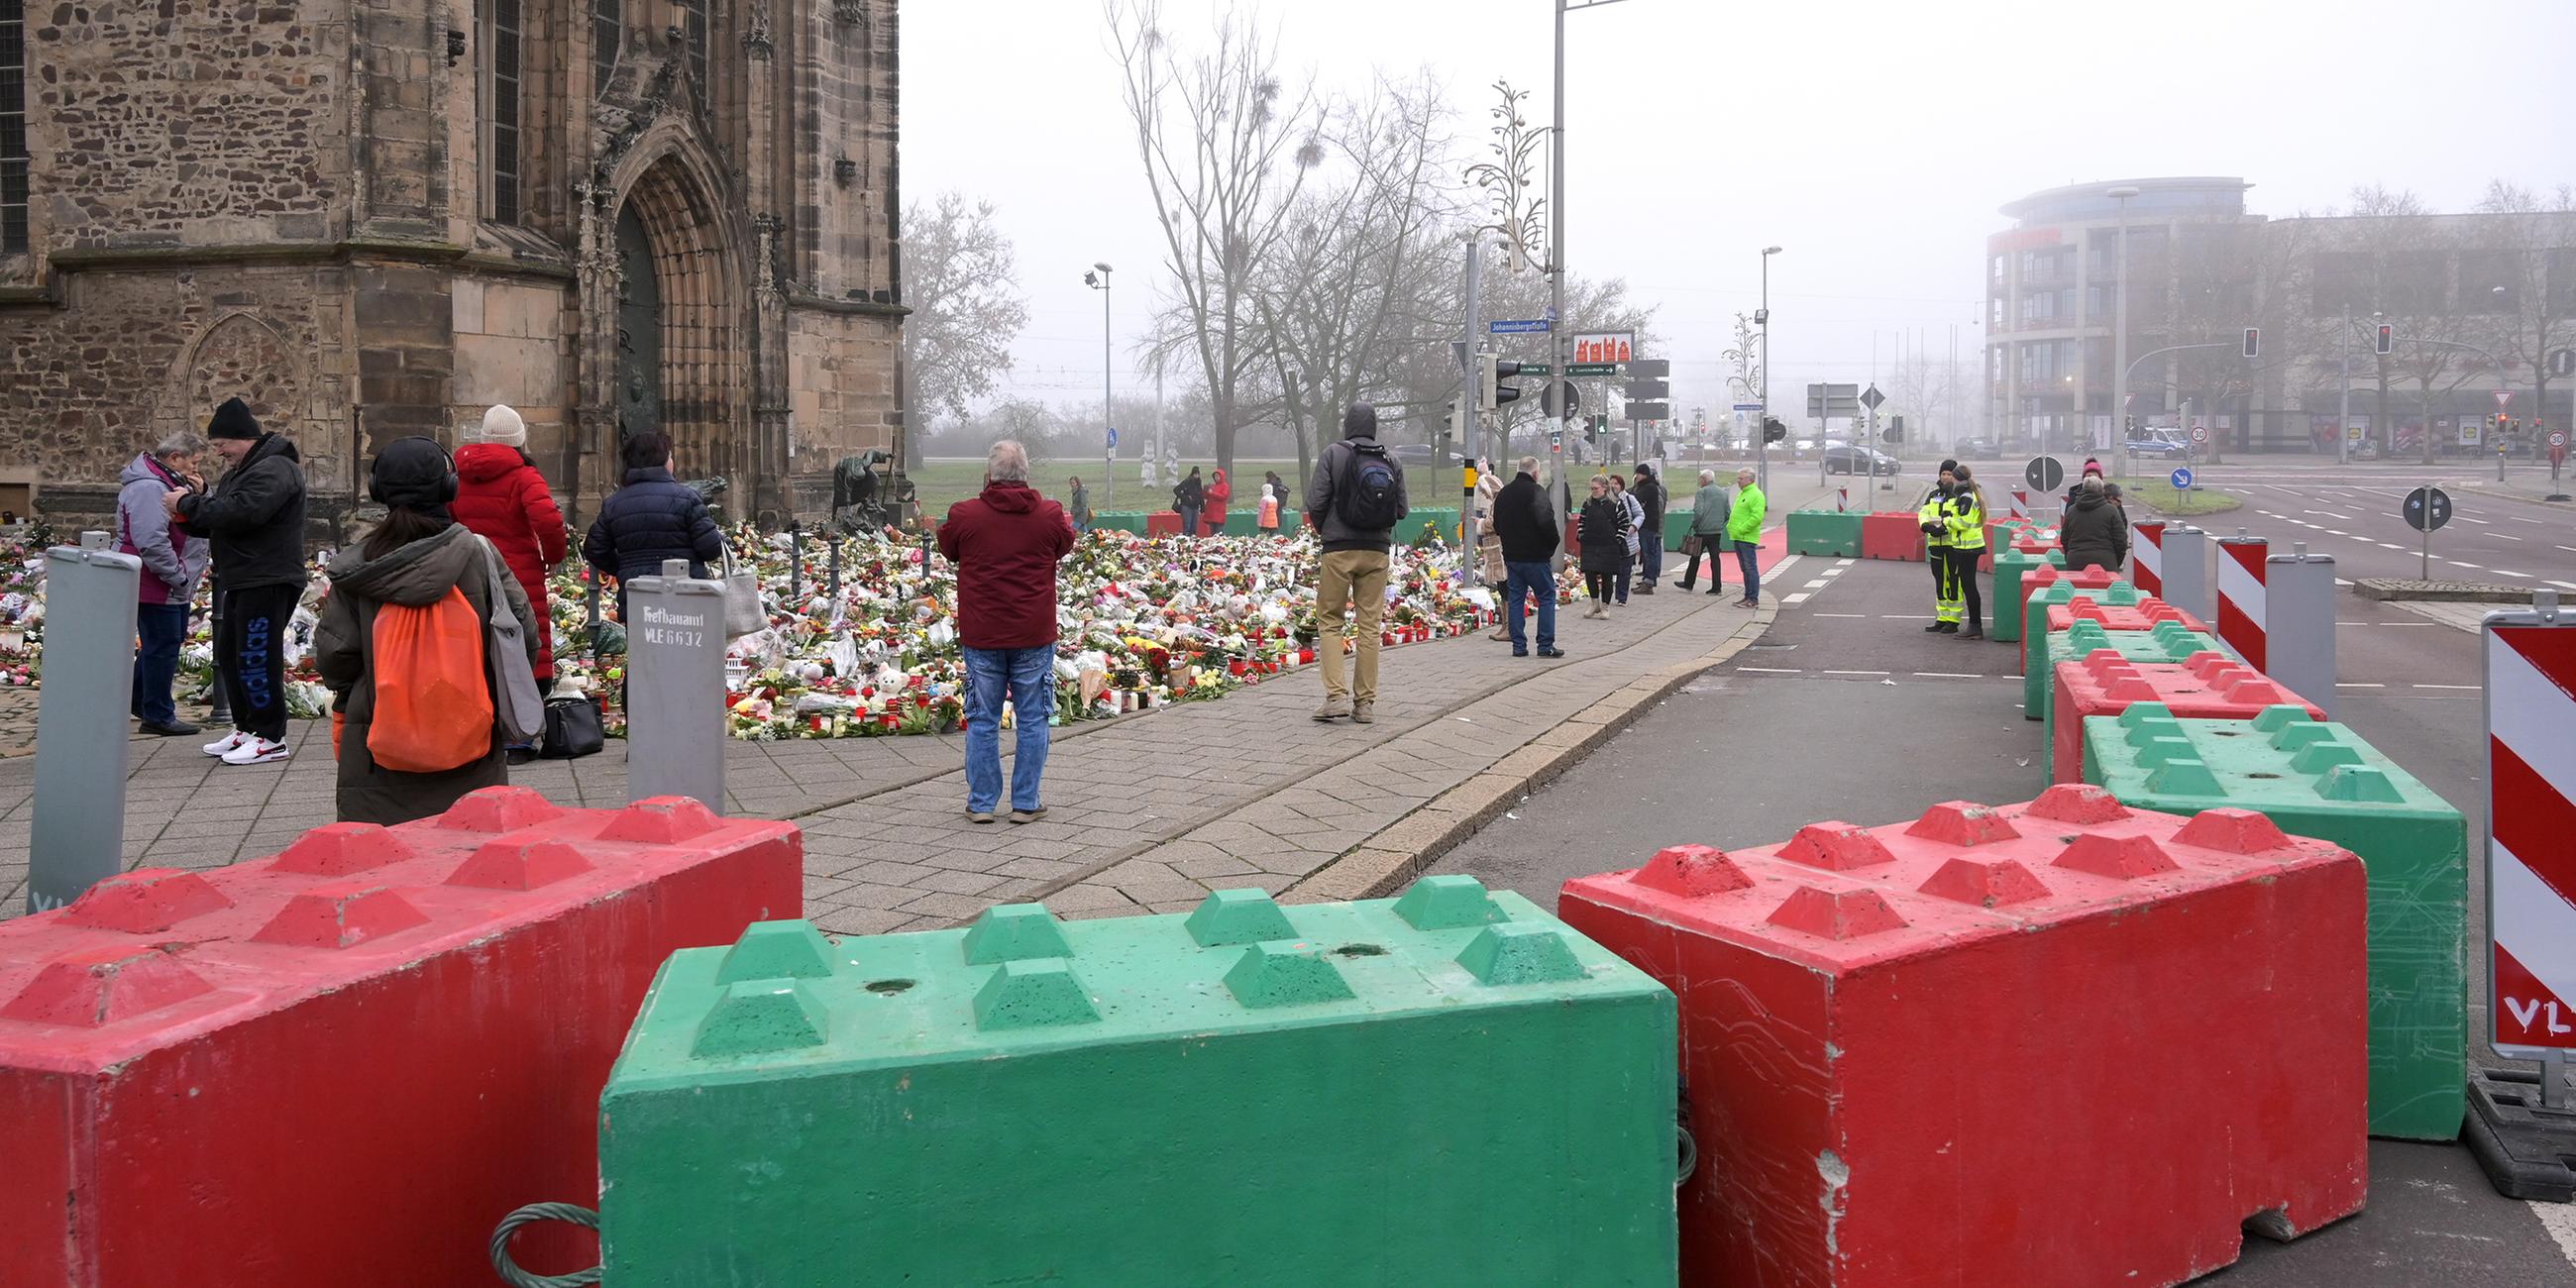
{"x":680,"y":359}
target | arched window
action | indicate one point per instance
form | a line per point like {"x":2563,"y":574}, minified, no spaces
{"x":505,"y":49}
{"x":607,"y":36}
{"x":696,"y":29}
{"x":13,"y":125}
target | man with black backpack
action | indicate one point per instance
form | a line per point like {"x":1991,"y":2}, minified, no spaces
{"x":1354,"y":499}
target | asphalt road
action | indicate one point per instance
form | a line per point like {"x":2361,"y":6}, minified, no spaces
{"x":1846,"y":710}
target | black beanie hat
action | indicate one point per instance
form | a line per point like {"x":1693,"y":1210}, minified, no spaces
{"x":1948,"y":467}
{"x":413,"y":474}
{"x":233,"y":420}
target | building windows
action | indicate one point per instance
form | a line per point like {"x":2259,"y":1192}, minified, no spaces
{"x":1996,"y":269}
{"x":504,"y":46}
{"x":13,"y":125}
{"x":695,"y":27}
{"x":607,"y":33}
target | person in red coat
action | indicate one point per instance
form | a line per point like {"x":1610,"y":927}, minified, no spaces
{"x":1218,"y":493}
{"x":502,"y":498}
{"x":1005,"y":543}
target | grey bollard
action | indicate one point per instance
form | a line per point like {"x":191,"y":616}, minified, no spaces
{"x":81,"y":739}
{"x":2299,"y":623}
{"x":675,"y":687}
{"x":2187,"y":570}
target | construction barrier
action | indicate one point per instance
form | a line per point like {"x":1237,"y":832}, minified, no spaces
{"x":348,"y":1060}
{"x":2299,"y":622}
{"x":1824,"y":532}
{"x":1986,"y":1046}
{"x":1450,"y":1087}
{"x":2168,"y":642}
{"x":2185,"y":551}
{"x":2046,"y":588}
{"x":1891,"y":534}
{"x":2241,"y":561}
{"x":2011,"y":566}
{"x":2209,"y":686}
{"x":2147,"y":556}
{"x":2323,"y":781}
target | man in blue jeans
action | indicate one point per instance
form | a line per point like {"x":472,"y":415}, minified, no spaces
{"x":1005,"y":543}
{"x":1528,"y":528}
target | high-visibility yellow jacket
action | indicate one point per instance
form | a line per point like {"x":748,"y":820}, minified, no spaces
{"x":1930,"y":517}
{"x":1963,"y":520}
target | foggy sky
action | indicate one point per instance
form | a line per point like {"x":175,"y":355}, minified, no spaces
{"x":1872,"y":141}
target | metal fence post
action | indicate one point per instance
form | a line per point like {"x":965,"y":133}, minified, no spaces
{"x":2299,"y":623}
{"x":675,"y":687}
{"x":2185,"y":571}
{"x":82,"y":744}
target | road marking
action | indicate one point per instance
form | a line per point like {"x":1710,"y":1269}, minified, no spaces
{"x":2329,"y":514}
{"x":2337,"y":532}
{"x":2569,"y":549}
{"x":2560,"y":1220}
{"x":1851,"y":673}
{"x":1845,"y":563}
{"x":2504,"y":536}
{"x":2466,"y":519}
{"x":1953,"y":675}
{"x":2470,"y":687}
{"x":2390,"y":545}
{"x":1798,"y":598}
{"x":1862,"y":616}
{"x":2508,"y":572}
{"x":2470,"y":566}
{"x":1832,"y":572}
{"x":2343,"y":581}
{"x":1770,"y":670}
{"x":1818,"y":584}
{"x":2519,"y":519}
{"x":2347,"y":684}
{"x":2571,"y":585}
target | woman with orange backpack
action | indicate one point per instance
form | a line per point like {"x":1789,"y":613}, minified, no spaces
{"x":409,"y":646}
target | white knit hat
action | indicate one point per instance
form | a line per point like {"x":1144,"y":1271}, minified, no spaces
{"x":502,"y":425}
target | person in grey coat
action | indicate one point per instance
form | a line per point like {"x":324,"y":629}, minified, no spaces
{"x":174,"y":565}
{"x":1708,"y":523}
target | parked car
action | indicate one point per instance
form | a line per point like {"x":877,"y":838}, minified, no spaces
{"x":1419,"y":456}
{"x":2161,"y":447}
{"x":1858,"y":460}
{"x":1979,"y":449}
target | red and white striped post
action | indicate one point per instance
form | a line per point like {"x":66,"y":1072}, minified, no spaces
{"x":2021,"y":503}
{"x":2147,"y":558}
{"x":2241,"y":606}
{"x":2530,"y":678}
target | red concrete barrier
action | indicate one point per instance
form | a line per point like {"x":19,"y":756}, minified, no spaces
{"x":1995,"y":1046}
{"x":2092,"y":577}
{"x":2206,"y":686}
{"x":347,"y":1062}
{"x":1891,"y":534}
{"x":1163,"y":523}
{"x":2141,"y":616}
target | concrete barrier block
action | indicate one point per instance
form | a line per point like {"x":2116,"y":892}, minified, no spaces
{"x":2207,"y":686}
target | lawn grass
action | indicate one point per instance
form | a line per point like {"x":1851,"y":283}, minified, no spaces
{"x":2162,"y":496}
{"x":943,"y":482}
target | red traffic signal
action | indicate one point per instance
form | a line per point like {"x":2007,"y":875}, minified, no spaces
{"x":2253,"y":342}
{"x":2387,"y":341}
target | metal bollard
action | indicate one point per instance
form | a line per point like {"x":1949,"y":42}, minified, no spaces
{"x":82,"y":743}
{"x":675,"y":687}
{"x":836,"y":567}
{"x":2186,"y":569}
{"x":221,"y":709}
{"x":795,"y":562}
{"x":2299,"y":623}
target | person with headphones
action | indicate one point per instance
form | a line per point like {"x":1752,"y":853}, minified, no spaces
{"x":414,"y":559}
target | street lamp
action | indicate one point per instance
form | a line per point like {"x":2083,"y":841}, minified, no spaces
{"x":1762,"y":421}
{"x":1098,"y":280}
{"x":2120,"y":311}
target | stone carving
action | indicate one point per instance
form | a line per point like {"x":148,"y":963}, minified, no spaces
{"x":241,"y":355}
{"x":755,"y":33}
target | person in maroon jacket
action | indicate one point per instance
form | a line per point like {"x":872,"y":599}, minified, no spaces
{"x":502,"y":498}
{"x":1005,"y":544}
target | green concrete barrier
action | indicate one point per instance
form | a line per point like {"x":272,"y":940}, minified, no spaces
{"x":2321,"y":780}
{"x":1443,"y":518}
{"x":2010,"y":564}
{"x":2034,"y":634}
{"x":1824,"y":532}
{"x":1120,"y":521}
{"x":2166,"y":642}
{"x":1450,"y":1087}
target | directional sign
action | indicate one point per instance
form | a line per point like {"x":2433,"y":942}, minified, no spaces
{"x":2427,"y":509}
{"x":1592,"y":368}
{"x":2044,"y":474}
{"x":2200,"y":433}
{"x":1113,"y":436}
{"x":1652,"y":389}
{"x":1832,"y":401}
{"x":1649,"y":411}
{"x":2563,"y":363}
{"x":1748,"y":406}
{"x":1559,"y":399}
{"x":2181,"y":478}
{"x":1530,"y":326}
{"x":1873,"y":398}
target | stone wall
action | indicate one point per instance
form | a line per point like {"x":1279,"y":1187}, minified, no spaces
{"x":511,"y":347}
{"x":841,"y":377}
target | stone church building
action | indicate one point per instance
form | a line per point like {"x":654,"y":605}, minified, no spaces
{"x":374,"y":218}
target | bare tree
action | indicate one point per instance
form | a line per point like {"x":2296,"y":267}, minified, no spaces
{"x":2530,"y":249}
{"x":963,"y":286}
{"x":1226,"y":148}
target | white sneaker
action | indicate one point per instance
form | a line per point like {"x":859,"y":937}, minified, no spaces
{"x":255,"y":751}
{"x":228,"y":744}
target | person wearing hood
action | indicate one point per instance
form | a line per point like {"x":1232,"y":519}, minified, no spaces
{"x":1005,"y":542}
{"x":1218,"y":493}
{"x":1354,"y":499}
{"x":501,"y":498}
{"x":412,"y":559}
{"x":174,"y":564}
{"x":255,"y":520}
{"x":2094,"y":530}
{"x":650,"y":518}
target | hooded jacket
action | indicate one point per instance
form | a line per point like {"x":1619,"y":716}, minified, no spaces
{"x":1648,"y":488}
{"x":1005,"y":542}
{"x":2094,"y":530}
{"x":1333,"y":469}
{"x":255,"y":518}
{"x":173,"y":562}
{"x":652,"y":518}
{"x":414,"y":576}
{"x":1218,"y":493}
{"x":501,"y":498}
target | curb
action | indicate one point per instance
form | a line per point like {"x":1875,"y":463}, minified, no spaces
{"x":1384,"y":863}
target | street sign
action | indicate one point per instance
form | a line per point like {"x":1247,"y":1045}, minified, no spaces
{"x":1649,"y":411}
{"x":2557,"y":438}
{"x":1529,"y":326}
{"x":1535,"y":369}
{"x":1559,"y":399}
{"x":1605,"y":346}
{"x":2044,"y":474}
{"x":1873,"y":398}
{"x":1592,"y":368}
{"x":1113,"y":436}
{"x":2563,"y":363}
{"x":1826,"y":401}
{"x":1651,"y":368}
{"x":2200,"y":433}
{"x":2182,"y":478}
{"x":2427,"y":509}
{"x":2504,"y":399}
{"x":1748,"y":406}
{"x":1649,"y":388}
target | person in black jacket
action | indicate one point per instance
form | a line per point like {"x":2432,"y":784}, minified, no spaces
{"x":1528,"y":528}
{"x":1602,"y":528}
{"x":1648,"y":488}
{"x":254,"y":519}
{"x":652,"y":517}
{"x":1189,"y":498}
{"x":2094,"y":530}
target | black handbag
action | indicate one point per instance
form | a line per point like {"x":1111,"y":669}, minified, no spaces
{"x":573,"y":729}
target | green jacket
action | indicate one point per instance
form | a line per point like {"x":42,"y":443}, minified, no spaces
{"x":1746,"y":524}
{"x":1708,"y":511}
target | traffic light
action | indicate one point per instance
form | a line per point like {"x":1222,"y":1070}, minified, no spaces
{"x":2253,"y":342}
{"x":1772,"y":430}
{"x":1895,"y":431}
{"x":1592,"y":427}
{"x":2386,"y":343}
{"x":1491,"y":392}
